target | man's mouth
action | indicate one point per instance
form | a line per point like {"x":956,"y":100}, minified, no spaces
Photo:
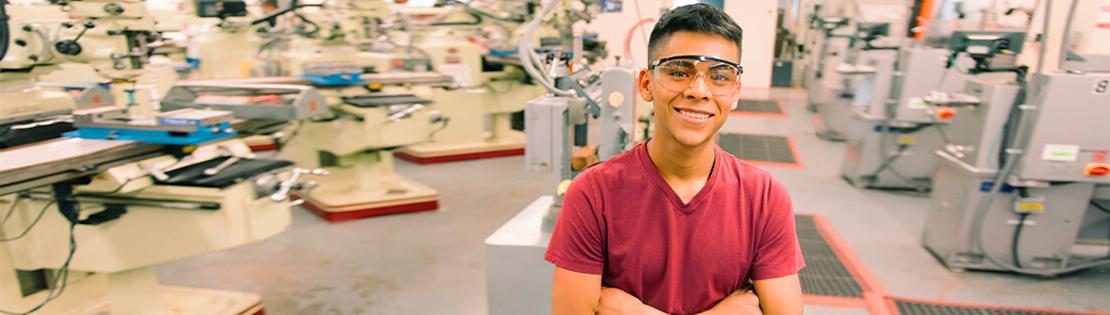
{"x":693,"y":114}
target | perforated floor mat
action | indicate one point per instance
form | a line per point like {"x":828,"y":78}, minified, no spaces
{"x":924,"y":308}
{"x":824,"y":273}
{"x":775,"y":149}
{"x":758,"y":106}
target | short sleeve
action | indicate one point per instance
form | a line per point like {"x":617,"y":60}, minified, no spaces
{"x":778,"y":253}
{"x":576,"y":243}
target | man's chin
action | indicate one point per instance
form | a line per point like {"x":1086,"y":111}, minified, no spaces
{"x":693,"y":140}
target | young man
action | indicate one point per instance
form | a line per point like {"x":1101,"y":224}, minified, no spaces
{"x":677,"y":225}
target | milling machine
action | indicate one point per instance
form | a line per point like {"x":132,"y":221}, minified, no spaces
{"x":30,"y":112}
{"x":480,"y":54}
{"x":125,"y":192}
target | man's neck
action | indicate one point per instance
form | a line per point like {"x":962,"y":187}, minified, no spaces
{"x":680,"y":162}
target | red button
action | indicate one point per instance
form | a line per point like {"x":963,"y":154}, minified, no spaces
{"x":1097,"y":169}
{"x":946,"y":113}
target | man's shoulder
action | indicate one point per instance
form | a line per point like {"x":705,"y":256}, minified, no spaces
{"x":745,"y":172}
{"x":622,"y":166}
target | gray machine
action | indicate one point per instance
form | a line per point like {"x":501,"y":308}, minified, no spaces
{"x":845,"y":83}
{"x":822,"y":82}
{"x":517,"y":277}
{"x":1049,"y":214}
{"x":895,"y":128}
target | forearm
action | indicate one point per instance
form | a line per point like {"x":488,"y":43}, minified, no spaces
{"x":743,"y":301}
{"x":617,"y":302}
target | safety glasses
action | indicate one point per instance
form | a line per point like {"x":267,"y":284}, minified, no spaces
{"x":676,"y":73}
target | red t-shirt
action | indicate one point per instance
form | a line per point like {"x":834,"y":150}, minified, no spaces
{"x":621,"y":220}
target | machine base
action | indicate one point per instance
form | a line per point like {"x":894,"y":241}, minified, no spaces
{"x":337,"y":205}
{"x":923,"y":186}
{"x":518,"y":279}
{"x":431,"y":153}
{"x":190,"y":301}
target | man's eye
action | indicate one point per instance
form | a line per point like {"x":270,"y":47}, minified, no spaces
{"x":678,"y":74}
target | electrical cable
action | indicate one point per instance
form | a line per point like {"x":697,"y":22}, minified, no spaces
{"x":1100,"y":207}
{"x":121,"y":186}
{"x":29,"y":226}
{"x":11,"y":210}
{"x":1017,"y":238}
{"x":1015,"y":242}
{"x":60,"y":282}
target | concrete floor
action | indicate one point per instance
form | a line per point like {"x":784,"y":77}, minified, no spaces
{"x":432,"y":263}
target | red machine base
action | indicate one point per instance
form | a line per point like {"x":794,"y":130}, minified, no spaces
{"x":459,"y":157}
{"x":340,"y":216}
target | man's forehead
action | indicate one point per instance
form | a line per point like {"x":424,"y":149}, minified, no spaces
{"x":699,"y":44}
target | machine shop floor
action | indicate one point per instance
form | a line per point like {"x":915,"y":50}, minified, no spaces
{"x":433,"y":262}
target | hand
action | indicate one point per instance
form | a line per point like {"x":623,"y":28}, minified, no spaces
{"x":617,"y":302}
{"x":743,"y":301}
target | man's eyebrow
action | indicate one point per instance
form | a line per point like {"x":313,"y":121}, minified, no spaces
{"x":683,"y":63}
{"x":722,"y":66}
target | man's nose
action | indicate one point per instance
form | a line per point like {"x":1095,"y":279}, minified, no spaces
{"x":698,"y":89}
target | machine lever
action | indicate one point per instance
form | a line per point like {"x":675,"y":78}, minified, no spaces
{"x":287,"y":186}
{"x":212,"y":171}
{"x":404,"y":113}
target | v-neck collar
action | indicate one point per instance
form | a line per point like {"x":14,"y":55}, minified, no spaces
{"x":657,"y":177}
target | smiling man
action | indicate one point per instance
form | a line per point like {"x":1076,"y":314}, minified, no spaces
{"x":677,"y":225}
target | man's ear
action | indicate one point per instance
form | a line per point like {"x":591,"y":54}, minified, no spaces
{"x":643,"y":84}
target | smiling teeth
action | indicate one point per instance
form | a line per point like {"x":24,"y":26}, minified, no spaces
{"x":694,"y":115}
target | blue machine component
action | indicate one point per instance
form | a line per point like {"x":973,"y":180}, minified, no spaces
{"x":986,"y":186}
{"x":193,"y":62}
{"x":502,"y":53}
{"x":201,"y":135}
{"x":333,"y":79}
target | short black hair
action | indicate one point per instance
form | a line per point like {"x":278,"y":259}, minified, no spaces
{"x":697,"y":18}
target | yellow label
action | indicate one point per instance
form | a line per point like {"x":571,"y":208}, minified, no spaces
{"x":1031,"y":206}
{"x":907,"y":140}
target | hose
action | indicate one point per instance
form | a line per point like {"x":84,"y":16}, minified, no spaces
{"x":628,"y":37}
{"x":530,"y":61}
{"x":1017,"y":238}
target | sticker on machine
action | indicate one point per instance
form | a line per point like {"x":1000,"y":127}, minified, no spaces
{"x":916,"y":103}
{"x":1102,"y":19}
{"x":1060,"y":152}
{"x":461,"y":73}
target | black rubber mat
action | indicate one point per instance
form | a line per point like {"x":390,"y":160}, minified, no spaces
{"x":758,"y":106}
{"x":920,"y":308}
{"x":758,"y":147}
{"x":824,"y":273}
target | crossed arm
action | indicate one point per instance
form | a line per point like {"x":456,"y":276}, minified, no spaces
{"x":576,"y":293}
